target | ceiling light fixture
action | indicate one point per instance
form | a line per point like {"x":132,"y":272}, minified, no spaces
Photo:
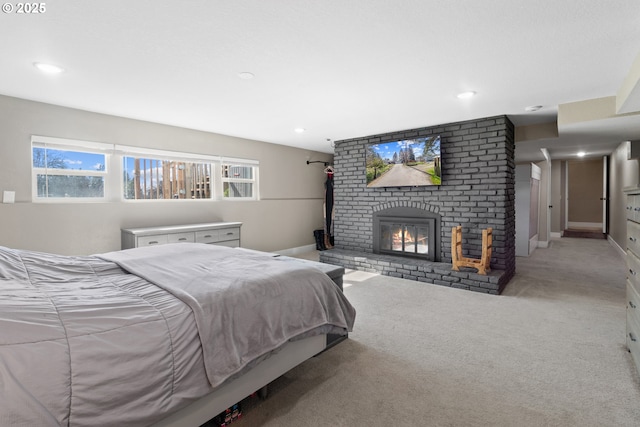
{"x":581,"y":154}
{"x":466,"y":95}
{"x":245,"y":75}
{"x":48,"y":68}
{"x":299,"y":130}
{"x":533,"y":108}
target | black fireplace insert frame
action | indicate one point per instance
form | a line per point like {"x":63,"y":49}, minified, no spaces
{"x":408,"y":216}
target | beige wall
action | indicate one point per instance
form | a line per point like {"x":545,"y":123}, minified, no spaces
{"x":585,"y":191}
{"x":291,"y":191}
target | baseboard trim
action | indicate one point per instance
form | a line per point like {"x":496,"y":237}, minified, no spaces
{"x":296,"y":251}
{"x":573,"y":224}
{"x":615,"y":244}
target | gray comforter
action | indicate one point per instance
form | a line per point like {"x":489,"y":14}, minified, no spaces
{"x":83,"y":341}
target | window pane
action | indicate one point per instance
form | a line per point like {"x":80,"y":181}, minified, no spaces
{"x":146,"y":178}
{"x":385,"y":237}
{"x":70,"y":186}
{"x":422,"y":240}
{"x":409,"y":238}
{"x":396,"y":233}
{"x":65,"y":159}
{"x":238,"y":189}
{"x":237,"y":172}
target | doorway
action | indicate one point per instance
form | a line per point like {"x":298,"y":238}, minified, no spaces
{"x":586,"y":198}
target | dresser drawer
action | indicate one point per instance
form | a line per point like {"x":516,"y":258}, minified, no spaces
{"x":633,"y":237}
{"x":207,"y":236}
{"x":633,"y":302}
{"x":633,"y":338}
{"x":181,"y":237}
{"x":229,"y":243}
{"x":158,"y":239}
{"x":633,"y":323}
{"x":633,"y":269}
{"x":633,"y":207}
{"x":629,"y":207}
{"x":228,"y":234}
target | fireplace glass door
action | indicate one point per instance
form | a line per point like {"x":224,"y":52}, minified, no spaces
{"x":407,"y":239}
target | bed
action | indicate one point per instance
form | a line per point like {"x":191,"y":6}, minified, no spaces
{"x":165,"y":335}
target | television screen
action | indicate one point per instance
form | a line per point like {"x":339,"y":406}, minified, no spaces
{"x":409,"y":162}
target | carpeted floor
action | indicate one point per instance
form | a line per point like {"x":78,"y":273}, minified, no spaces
{"x":550,"y":351}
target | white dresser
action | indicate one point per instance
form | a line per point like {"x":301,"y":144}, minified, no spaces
{"x":217,"y":233}
{"x":633,"y":273}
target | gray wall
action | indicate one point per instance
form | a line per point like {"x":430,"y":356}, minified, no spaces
{"x":291,"y":191}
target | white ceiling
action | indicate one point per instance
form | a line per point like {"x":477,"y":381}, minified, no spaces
{"x":340,"y":69}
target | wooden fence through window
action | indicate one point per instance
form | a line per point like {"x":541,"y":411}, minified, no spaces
{"x":165,"y":179}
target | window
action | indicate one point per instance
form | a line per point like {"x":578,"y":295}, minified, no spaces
{"x":68,"y":171}
{"x":238,"y":180}
{"x":146,"y":178}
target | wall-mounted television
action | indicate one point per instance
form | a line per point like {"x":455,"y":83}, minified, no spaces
{"x":404,"y":163}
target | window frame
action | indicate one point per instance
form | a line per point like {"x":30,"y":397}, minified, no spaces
{"x":75,"y":146}
{"x":115,"y":170}
{"x":253,"y":164}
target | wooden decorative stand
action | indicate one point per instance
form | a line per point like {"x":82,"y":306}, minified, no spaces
{"x":482,"y":264}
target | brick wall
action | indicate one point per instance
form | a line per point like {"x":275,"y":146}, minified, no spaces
{"x":477,"y":190}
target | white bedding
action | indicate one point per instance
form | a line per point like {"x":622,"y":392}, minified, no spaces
{"x":83,"y":342}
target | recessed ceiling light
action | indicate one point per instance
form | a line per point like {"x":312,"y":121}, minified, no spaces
{"x":245,"y":75}
{"x":299,"y":130}
{"x":581,"y":154}
{"x":48,"y":68}
{"x":466,"y":95}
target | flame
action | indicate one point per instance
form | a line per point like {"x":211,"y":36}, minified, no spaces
{"x":397,"y":237}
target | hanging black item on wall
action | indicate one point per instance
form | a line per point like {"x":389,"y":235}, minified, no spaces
{"x":328,"y":208}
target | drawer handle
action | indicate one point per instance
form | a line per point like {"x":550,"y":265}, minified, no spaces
{"x":631,"y":304}
{"x":182,"y":239}
{"x":633,"y":273}
{"x":208,"y":236}
{"x":631,"y":337}
{"x":633,"y":239}
{"x":154,"y":242}
{"x":230,"y":233}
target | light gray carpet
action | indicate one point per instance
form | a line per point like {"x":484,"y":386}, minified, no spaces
{"x":550,"y":351}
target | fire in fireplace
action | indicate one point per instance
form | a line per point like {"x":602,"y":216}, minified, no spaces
{"x":407,"y":232}
{"x":407,"y":238}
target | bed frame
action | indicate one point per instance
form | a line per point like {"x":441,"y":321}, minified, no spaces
{"x":202,"y":410}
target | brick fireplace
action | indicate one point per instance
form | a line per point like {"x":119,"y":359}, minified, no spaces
{"x":477,"y":192}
